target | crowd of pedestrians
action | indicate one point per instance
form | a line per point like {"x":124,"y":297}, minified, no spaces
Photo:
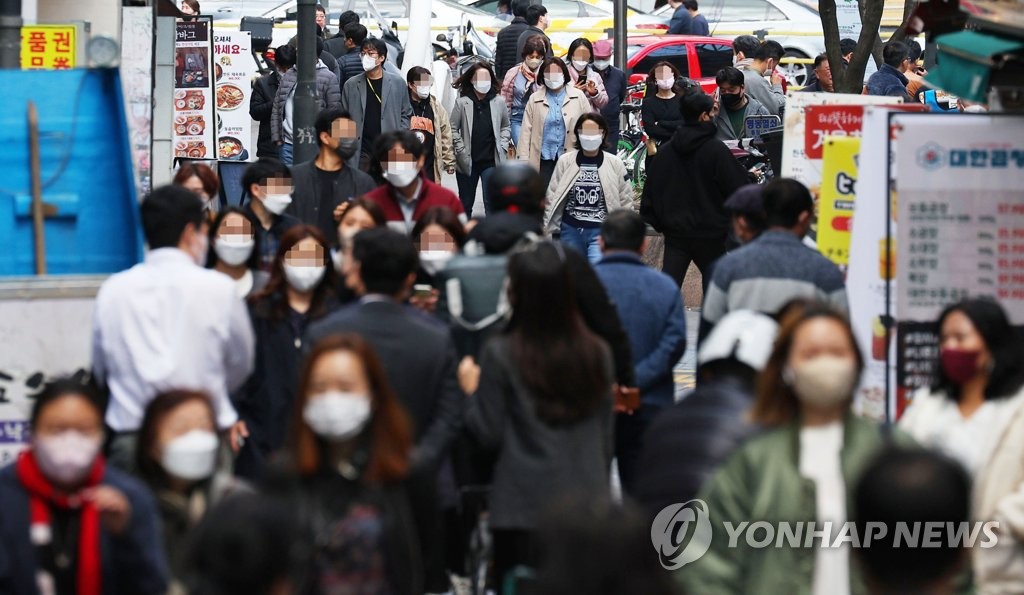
{"x":299,"y":394}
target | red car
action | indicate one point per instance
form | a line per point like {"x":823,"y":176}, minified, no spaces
{"x":699,"y":58}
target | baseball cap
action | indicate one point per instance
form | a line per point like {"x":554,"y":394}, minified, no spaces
{"x":602,"y":48}
{"x":746,"y":199}
{"x":743,"y":335}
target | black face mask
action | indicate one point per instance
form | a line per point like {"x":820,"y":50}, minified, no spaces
{"x":732,"y":101}
{"x":347,"y":148}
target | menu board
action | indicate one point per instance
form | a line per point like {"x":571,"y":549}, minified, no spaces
{"x":232,"y":72}
{"x":961,"y":225}
{"x":193,"y":90}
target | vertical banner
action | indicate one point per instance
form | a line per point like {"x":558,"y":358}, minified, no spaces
{"x":137,"y":77}
{"x":838,"y":190}
{"x":961,"y":232}
{"x":233,"y":69}
{"x":48,"y":47}
{"x":193,"y":90}
{"x":868,"y":271}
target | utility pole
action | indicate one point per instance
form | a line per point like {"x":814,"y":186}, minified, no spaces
{"x":306,"y":104}
{"x":10,"y":33}
{"x":619,"y":18}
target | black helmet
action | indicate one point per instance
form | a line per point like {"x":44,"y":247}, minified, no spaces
{"x":516,"y":186}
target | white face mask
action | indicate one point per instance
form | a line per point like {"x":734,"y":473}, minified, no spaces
{"x":591,"y":142}
{"x":369,"y":63}
{"x":423,"y":91}
{"x":822,"y":382}
{"x":434,"y":261}
{"x":579,"y":65}
{"x":335,"y":415}
{"x":602,"y":64}
{"x":482,"y":87}
{"x":666,"y":84}
{"x":303,"y":279}
{"x":401,"y":173}
{"x":277,"y":203}
{"x":338,"y":259}
{"x":66,"y":458}
{"x":191,"y":456}
{"x":554,"y":81}
{"x":234,"y":250}
{"x":534,"y":63}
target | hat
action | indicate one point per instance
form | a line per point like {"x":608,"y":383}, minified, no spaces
{"x":747,"y":199}
{"x":743,"y":335}
{"x":602,"y":48}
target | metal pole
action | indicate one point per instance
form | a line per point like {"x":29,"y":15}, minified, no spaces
{"x":10,"y":33}
{"x":38,"y":215}
{"x":306,"y":104}
{"x":619,"y":18}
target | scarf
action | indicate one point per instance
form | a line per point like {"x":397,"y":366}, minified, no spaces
{"x":42,"y":495}
{"x":529,"y":75}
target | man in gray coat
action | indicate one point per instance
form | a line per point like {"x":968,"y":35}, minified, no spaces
{"x":765,"y":59}
{"x":377,"y":100}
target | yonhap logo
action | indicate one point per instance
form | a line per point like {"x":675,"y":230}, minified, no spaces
{"x":681,"y":533}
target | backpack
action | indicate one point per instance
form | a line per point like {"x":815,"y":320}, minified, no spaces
{"x":473,"y":300}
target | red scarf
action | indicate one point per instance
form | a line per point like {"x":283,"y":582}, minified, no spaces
{"x":42,"y":495}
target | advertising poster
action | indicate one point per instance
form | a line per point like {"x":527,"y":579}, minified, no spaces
{"x":838,"y":190}
{"x":868,"y":271}
{"x":848,"y":17}
{"x":137,"y":74}
{"x":232,"y":74}
{"x":48,"y":47}
{"x":961,"y":231}
{"x":193,"y":90}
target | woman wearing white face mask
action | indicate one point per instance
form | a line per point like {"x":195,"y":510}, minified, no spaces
{"x":300,"y":291}
{"x":550,"y":118}
{"x":178,"y":456}
{"x":521,"y":82}
{"x":430,"y":123}
{"x":69,"y":521}
{"x":439,"y":235}
{"x":268,"y":185}
{"x":481,"y":131}
{"x":349,"y":450}
{"x":233,"y":251}
{"x":584,"y":77}
{"x":801,"y":469}
{"x":661,"y":112}
{"x":398,"y":158}
{"x":587,"y":184}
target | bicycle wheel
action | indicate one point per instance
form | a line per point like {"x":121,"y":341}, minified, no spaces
{"x":640,"y":169}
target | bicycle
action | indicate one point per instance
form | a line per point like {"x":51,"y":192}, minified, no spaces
{"x":632,"y":147}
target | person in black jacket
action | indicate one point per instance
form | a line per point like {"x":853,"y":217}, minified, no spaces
{"x":505,"y":55}
{"x":689,"y":440}
{"x":694,"y":220}
{"x":350,"y":64}
{"x":336,"y":45}
{"x":299,"y":292}
{"x":615,"y":84}
{"x":536,"y":23}
{"x":261,"y":105}
{"x":330,"y":179}
{"x":518,"y":196}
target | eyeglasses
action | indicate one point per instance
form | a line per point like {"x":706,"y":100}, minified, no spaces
{"x":371,"y":54}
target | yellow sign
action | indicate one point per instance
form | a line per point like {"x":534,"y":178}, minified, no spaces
{"x":835,"y":207}
{"x":48,"y":47}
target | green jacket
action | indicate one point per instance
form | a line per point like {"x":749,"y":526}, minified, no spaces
{"x":762,"y":482}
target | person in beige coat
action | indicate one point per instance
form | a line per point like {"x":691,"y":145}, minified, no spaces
{"x":545,"y":135}
{"x":431,"y":125}
{"x":975,"y":414}
{"x":481,"y":133}
{"x":587,"y":185}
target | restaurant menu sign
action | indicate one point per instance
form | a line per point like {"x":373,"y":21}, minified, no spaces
{"x":193,"y":90}
{"x":961,"y":225}
{"x":232,"y":75}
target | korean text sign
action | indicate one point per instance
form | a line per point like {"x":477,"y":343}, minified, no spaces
{"x":48,"y":47}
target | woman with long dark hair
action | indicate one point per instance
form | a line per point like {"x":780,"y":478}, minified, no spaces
{"x":481,"y":132}
{"x":300,"y":290}
{"x":544,"y":404}
{"x":233,"y":251}
{"x":349,"y":450}
{"x":584,"y":77}
{"x":975,"y":413}
{"x":661,"y":110}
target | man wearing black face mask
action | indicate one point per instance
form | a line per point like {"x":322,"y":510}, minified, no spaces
{"x":735,"y":104}
{"x":329,"y":180}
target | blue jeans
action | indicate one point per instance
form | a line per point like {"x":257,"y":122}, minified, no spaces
{"x":467,"y":188}
{"x":583,"y":240}
{"x":286,"y":154}
{"x":516,"y":128}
